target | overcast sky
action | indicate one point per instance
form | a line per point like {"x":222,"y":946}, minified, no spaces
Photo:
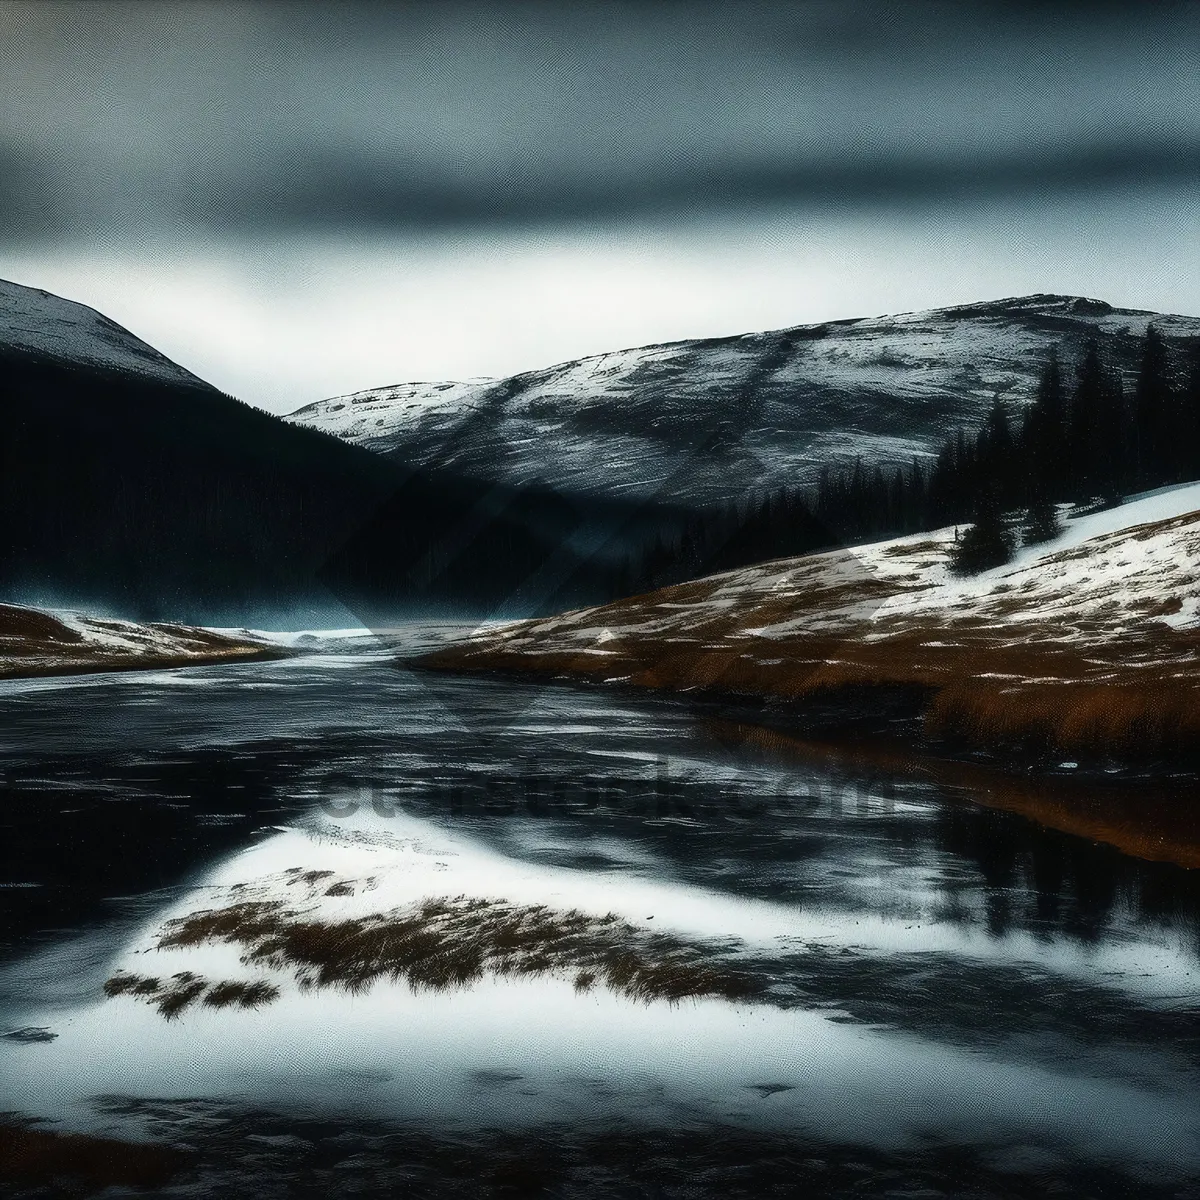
{"x":296,"y":201}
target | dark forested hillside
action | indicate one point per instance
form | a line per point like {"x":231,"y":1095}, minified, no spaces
{"x":1082,"y":440}
{"x":164,"y":500}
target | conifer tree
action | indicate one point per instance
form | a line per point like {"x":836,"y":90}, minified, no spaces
{"x":1086,"y":423}
{"x":987,"y":542}
{"x":1151,"y":410}
{"x":1044,"y":435}
{"x":1041,"y":522}
{"x":1189,"y":424}
{"x":1115,"y":439}
{"x":997,"y":452}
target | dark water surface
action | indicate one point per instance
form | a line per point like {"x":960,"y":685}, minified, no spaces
{"x":961,"y":1001}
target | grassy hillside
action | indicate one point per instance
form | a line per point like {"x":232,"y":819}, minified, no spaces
{"x":1086,"y":646}
{"x":34,"y":644}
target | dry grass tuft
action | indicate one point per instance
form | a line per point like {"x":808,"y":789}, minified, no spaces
{"x":244,"y":995}
{"x":185,"y":988}
{"x":214,"y":925}
{"x":137,"y":985}
{"x":446,"y":943}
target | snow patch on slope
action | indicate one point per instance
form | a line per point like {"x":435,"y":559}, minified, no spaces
{"x":1108,"y":573}
{"x":35,"y":643}
{"x":1106,"y":569}
{"x":375,"y":418}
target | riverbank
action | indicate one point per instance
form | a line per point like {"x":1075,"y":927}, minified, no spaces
{"x":34,"y":643}
{"x":1087,"y":647}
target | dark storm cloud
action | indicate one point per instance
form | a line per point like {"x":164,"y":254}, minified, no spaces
{"x":140,"y":117}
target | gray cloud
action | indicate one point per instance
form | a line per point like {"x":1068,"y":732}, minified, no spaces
{"x":128,"y":118}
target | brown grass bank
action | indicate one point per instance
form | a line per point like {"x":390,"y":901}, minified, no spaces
{"x":35,"y":644}
{"x":1030,"y":689}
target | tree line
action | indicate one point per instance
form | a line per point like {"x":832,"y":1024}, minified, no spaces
{"x":1085,"y":439}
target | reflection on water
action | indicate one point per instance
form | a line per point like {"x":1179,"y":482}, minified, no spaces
{"x":952,"y":986}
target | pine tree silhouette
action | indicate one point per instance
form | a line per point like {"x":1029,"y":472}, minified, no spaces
{"x":1041,"y":522}
{"x":1092,"y":445}
{"x":1044,"y":433}
{"x":987,"y":543}
{"x":1189,"y":418}
{"x":1086,"y":425}
{"x":1152,"y":404}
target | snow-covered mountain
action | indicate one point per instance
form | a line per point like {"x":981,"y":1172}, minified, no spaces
{"x":710,"y":419}
{"x":39,"y":325}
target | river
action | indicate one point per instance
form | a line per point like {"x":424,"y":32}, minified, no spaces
{"x":960,"y":1001}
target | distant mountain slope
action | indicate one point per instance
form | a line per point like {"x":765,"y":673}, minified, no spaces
{"x":709,"y":420}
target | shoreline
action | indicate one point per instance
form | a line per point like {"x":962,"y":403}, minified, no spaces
{"x":1137,"y":806}
{"x":1086,"y":648}
{"x":123,"y":663}
{"x":35,"y":644}
{"x":831,"y":708}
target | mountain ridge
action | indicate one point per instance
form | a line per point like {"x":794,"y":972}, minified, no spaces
{"x":708,"y":420}
{"x":38,"y":325}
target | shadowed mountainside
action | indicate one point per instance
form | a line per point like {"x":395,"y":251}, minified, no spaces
{"x":129,"y":485}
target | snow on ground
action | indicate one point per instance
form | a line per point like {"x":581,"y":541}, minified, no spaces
{"x":512,"y":1052}
{"x":38,"y":323}
{"x":35,"y":642}
{"x":1104,"y":566}
{"x":392,"y":863}
{"x":1107,"y":572}
{"x":365,"y":417}
{"x":317,"y":640}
